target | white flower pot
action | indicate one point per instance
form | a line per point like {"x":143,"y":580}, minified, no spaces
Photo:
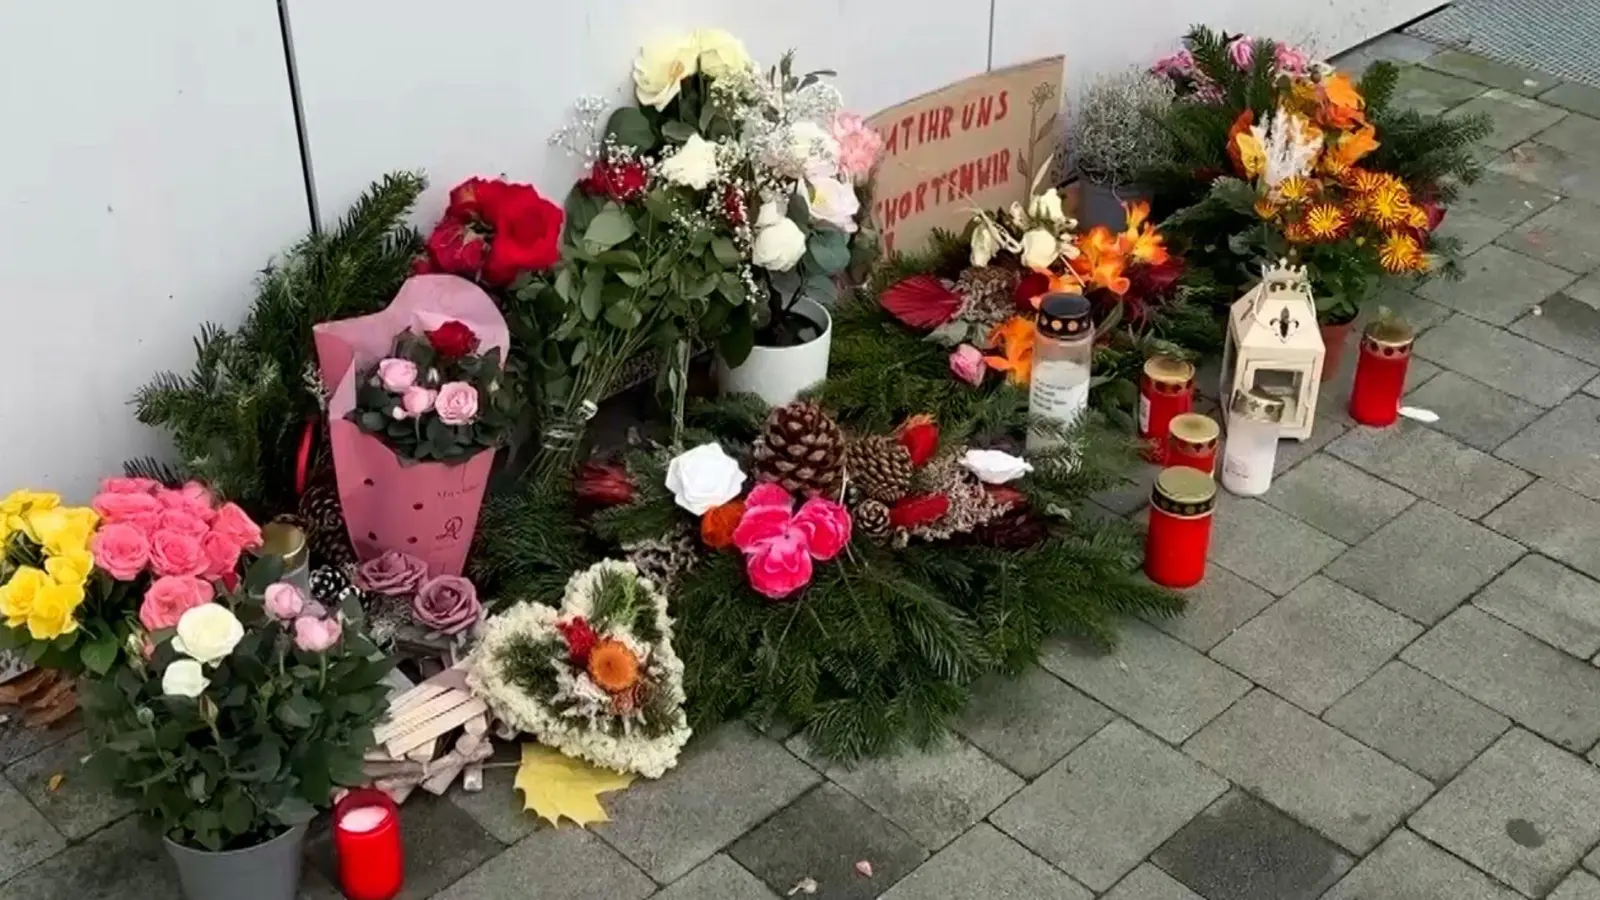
{"x":778,"y":374}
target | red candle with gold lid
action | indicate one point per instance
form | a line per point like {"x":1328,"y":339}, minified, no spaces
{"x":1166,"y":389}
{"x":1380,"y":380}
{"x":1192,"y":440}
{"x":1179,"y":538}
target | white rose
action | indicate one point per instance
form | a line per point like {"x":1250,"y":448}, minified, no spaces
{"x":995,"y":466}
{"x":1047,"y":206}
{"x":703,"y":478}
{"x":207,"y":633}
{"x":835,"y":202}
{"x":720,"y":52}
{"x":183,"y":678}
{"x":779,"y":241}
{"x":694,"y":165}
{"x":984,"y":244}
{"x":661,"y":67}
{"x":1039,"y":249}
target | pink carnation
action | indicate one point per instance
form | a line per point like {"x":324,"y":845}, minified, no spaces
{"x":176,"y":553}
{"x":1177,"y":65}
{"x":236,"y":525}
{"x":120,"y":550}
{"x":781,"y":566}
{"x":826,"y":525}
{"x":860,"y":145}
{"x":129,"y":486}
{"x":169,"y":597}
{"x":1291,"y":60}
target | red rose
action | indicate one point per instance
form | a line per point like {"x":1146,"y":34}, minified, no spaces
{"x":527,"y":236}
{"x":422,"y":264}
{"x":622,"y":181}
{"x":920,"y":509}
{"x":921,"y":439}
{"x":453,"y":339}
{"x":456,"y":249}
{"x":580,"y":638}
{"x":1031,"y":286}
{"x":604,"y":485}
{"x":478,"y":199}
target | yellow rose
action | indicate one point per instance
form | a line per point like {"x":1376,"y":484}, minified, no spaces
{"x":70,"y":567}
{"x":661,"y":68}
{"x":14,"y":510}
{"x":53,"y":606}
{"x":17,"y":595}
{"x":720,"y":52}
{"x":62,"y":529}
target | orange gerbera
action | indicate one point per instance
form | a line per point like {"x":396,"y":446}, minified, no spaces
{"x":717,"y":525}
{"x":1325,"y":221}
{"x":1013,"y":338}
{"x":613,"y":666}
{"x":1365,"y":181}
{"x":1401,"y":253}
{"x":1341,"y":104}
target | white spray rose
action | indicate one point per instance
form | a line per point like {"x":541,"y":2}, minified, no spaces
{"x":183,"y":678}
{"x":720,"y":52}
{"x":995,"y":466}
{"x":694,"y":165}
{"x":661,"y":67}
{"x":835,"y":202}
{"x":806,"y":150}
{"x":779,"y":243}
{"x":207,"y":633}
{"x":1047,"y":206}
{"x":1039,"y":249}
{"x":704,"y":478}
{"x":984,"y":244}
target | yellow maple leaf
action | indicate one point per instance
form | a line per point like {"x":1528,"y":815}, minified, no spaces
{"x":555,"y":785}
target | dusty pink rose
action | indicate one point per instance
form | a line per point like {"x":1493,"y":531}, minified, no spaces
{"x":966,"y":363}
{"x":176,"y":553}
{"x":193,"y":497}
{"x":169,"y":597}
{"x":826,"y":525}
{"x":283,"y":600}
{"x":393,"y":573}
{"x":1242,"y":52}
{"x":781,"y":566}
{"x":457,"y":403}
{"x":448,"y":604}
{"x":222,"y":554}
{"x":129,"y":486}
{"x":120,"y":550}
{"x":1177,"y":65}
{"x":236,"y":525}
{"x":182,"y":521}
{"x":139,"y":510}
{"x":315,"y":635}
{"x":860,"y":145}
{"x":416,"y":401}
{"x":397,"y":374}
{"x":1291,"y":60}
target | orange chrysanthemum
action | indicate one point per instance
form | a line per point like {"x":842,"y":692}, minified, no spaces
{"x":1390,"y":205}
{"x":1401,"y":253}
{"x":1266,"y":208}
{"x":1296,"y":189}
{"x":717,"y":525}
{"x":1325,"y":221}
{"x":1366,"y":181}
{"x":1418,"y":219}
{"x":1297,"y":233}
{"x":613,"y":666}
{"x":1013,"y":338}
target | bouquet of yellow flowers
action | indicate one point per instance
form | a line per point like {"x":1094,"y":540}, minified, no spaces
{"x":46,"y":564}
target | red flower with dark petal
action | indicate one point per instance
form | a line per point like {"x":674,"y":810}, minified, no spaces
{"x":917,"y":510}
{"x":580,"y":638}
{"x":619,"y":181}
{"x":920,"y":437}
{"x":527,"y":235}
{"x":1030,"y":288}
{"x":604,"y":484}
{"x":456,"y":249}
{"x":453,"y":339}
{"x":1435,"y":214}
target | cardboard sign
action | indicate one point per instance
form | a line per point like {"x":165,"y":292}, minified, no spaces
{"x":972,"y":145}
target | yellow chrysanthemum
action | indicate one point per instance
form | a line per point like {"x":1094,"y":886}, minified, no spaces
{"x":1401,"y":253}
{"x":1265,"y":208}
{"x":1297,"y":233}
{"x":1296,"y":189}
{"x":1418,"y":218}
{"x":1390,"y":205}
{"x":1325,"y":221}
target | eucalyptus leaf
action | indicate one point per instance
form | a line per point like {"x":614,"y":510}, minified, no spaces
{"x":830,"y":248}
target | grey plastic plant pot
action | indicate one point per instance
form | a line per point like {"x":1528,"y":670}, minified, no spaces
{"x":1101,"y":204}
{"x":269,"y":871}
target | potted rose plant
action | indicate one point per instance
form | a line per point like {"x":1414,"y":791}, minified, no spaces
{"x":231,"y":728}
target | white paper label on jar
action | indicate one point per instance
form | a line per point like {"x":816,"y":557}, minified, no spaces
{"x":1144,"y":415}
{"x":1061,"y":402}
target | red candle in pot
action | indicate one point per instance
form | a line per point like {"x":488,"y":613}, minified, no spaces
{"x":1192,"y":440}
{"x":366,"y":839}
{"x":1381,"y":372}
{"x":1179,"y":538}
{"x":1166,"y":389}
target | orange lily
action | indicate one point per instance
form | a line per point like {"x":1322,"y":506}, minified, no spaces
{"x":1014,"y":339}
{"x":1341,"y":103}
{"x":1144,"y":243}
{"x":1349,"y":149}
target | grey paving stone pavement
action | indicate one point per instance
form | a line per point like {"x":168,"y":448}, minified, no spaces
{"x":1244,"y":849}
{"x":1566,"y":235}
{"x":558,"y":864}
{"x":1217,"y":607}
{"x":1406,"y":867}
{"x":1472,"y":412}
{"x":1551,"y":168}
{"x":1503,"y":198}
{"x":1563,"y":445}
{"x":718,"y":878}
{"x":1578,"y":886}
{"x":1337,"y":498}
{"x":1506,"y":361}
{"x":1417,"y":721}
{"x":1150,"y":883}
{"x":1431,"y":92}
{"x":1431,"y":465}
{"x":986,"y":863}
{"x":934,"y":795}
{"x":1030,"y":722}
{"x":57,"y":783}
{"x":1567,"y":321}
{"x":1549,"y":601}
{"x":822,"y":836}
{"x":1556,"y":522}
{"x":1516,"y":118}
{"x":123,"y":862}
{"x":1269,"y":548}
{"x":1499,"y":286}
{"x":1490,"y":72}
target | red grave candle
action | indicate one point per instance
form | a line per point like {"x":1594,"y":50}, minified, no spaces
{"x":1166,"y":389}
{"x":1192,"y":440}
{"x":366,"y":838}
{"x":1381,"y":372}
{"x":1179,"y":538}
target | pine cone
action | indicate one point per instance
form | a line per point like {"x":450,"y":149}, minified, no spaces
{"x":872,"y":518}
{"x":988,"y":292}
{"x":880,"y":467}
{"x":322,"y":518}
{"x":801,"y":449}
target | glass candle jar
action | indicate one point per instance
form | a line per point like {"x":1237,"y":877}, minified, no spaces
{"x":366,"y":838}
{"x":1166,"y":389}
{"x":1381,"y":372}
{"x":1063,"y":349}
{"x":288,"y":543}
{"x":1252,"y":447}
{"x":1175,"y":547}
{"x":1192,"y":440}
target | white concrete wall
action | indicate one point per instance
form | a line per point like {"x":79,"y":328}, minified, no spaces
{"x":152,"y":164}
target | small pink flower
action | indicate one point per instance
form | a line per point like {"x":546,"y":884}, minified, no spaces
{"x":169,"y":597}
{"x":766,"y":517}
{"x":139,"y":510}
{"x":183,"y":522}
{"x":129,"y":486}
{"x":860,"y":145}
{"x":284,"y":601}
{"x":1291,"y":60}
{"x":393,"y":574}
{"x":397,"y":374}
{"x":236,"y":525}
{"x":316,"y":635}
{"x":826,"y":525}
{"x":1242,"y":52}
{"x":1176,"y":65}
{"x":781,"y":566}
{"x":222,"y":554}
{"x":417,"y":400}
{"x":966,"y":363}
{"x":176,"y":553}
{"x":120,"y":550}
{"x":448,"y":604}
{"x":457,"y":403}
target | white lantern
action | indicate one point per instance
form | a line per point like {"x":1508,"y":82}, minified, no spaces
{"x":1274,"y":346}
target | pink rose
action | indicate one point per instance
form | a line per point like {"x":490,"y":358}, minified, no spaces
{"x":193,"y":497}
{"x":448,"y":604}
{"x":129,"y":486}
{"x":1242,"y":52}
{"x":184,"y":522}
{"x":168,"y":598}
{"x":781,"y":566}
{"x":176,"y":553}
{"x":1291,"y":60}
{"x":416,"y":401}
{"x":1178,"y":65}
{"x":120,"y":550}
{"x":860,"y":145}
{"x":236,"y":525}
{"x":393,"y":574}
{"x":826,"y":525}
{"x":458,"y":403}
{"x":284,"y":601}
{"x":139,"y":510}
{"x":316,"y":635}
{"x":222,"y":554}
{"x":397,"y":374}
{"x":966,"y":363}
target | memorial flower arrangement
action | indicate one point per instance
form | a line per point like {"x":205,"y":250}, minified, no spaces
{"x":237,"y":721}
{"x":493,"y":232}
{"x":596,"y":677}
